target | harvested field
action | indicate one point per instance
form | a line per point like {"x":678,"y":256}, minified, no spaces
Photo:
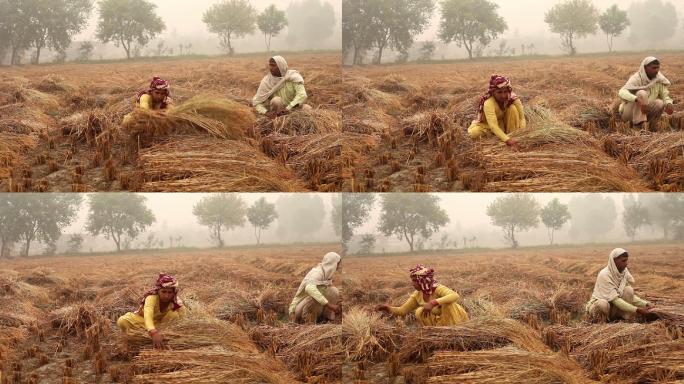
{"x":64,"y":131}
{"x":525,"y":324}
{"x":59,"y":325}
{"x":574,"y":142}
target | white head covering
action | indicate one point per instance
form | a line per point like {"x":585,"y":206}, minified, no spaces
{"x":271,"y":84}
{"x":322,"y":273}
{"x":610,"y":282}
{"x":640,"y":81}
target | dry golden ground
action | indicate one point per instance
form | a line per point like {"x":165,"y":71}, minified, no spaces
{"x":61,"y":127}
{"x":421,"y":113}
{"x":58,"y":318}
{"x":526,"y":309}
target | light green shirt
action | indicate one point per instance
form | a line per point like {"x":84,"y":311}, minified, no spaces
{"x":658,"y":91}
{"x":312,"y":290}
{"x":291,"y":93}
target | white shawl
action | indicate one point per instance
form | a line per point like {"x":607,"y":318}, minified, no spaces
{"x":322,"y":273}
{"x":610,"y":282}
{"x":271,"y":84}
{"x":640,"y":81}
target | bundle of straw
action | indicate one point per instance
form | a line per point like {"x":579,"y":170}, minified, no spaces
{"x":508,"y":365}
{"x":75,"y":319}
{"x":658,"y":157}
{"x":190,"y":333}
{"x":208,"y":365}
{"x":301,"y":122}
{"x":659,"y":362}
{"x":554,"y":158}
{"x":310,"y":350}
{"x":223,"y":119}
{"x":586,"y":341}
{"x":483,"y":333}
{"x":366,"y":336}
{"x":234,"y":303}
{"x":209,"y":165}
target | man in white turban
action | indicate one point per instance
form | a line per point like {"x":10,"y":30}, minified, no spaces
{"x":317,"y":299}
{"x":280,"y":91}
{"x":613,"y":297}
{"x":645,"y":95}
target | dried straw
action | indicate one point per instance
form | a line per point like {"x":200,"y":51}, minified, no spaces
{"x":504,"y":365}
{"x":202,"y":164}
{"x":193,"y":333}
{"x":483,"y":333}
{"x":208,"y":365}
{"x":366,"y":336}
{"x":310,"y":350}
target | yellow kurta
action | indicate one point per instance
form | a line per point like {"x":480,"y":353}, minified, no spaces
{"x":499,"y":122}
{"x":449,"y":312}
{"x":150,"y":315}
{"x":145,"y":102}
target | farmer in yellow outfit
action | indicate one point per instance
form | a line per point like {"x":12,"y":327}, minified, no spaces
{"x":160,"y":305}
{"x":613,"y":297}
{"x":500,"y":112}
{"x":280,"y":91}
{"x":645,"y":95}
{"x":433,"y":303}
{"x":317,"y":299}
{"x":156,"y":98}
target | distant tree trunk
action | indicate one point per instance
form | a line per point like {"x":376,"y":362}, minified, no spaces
{"x":469,"y":47}
{"x":357,"y":56}
{"x":126,"y":47}
{"x":217,"y":234}
{"x":380,"y":49}
{"x":38,"y":48}
{"x":409,"y":239}
{"x":14,"y":60}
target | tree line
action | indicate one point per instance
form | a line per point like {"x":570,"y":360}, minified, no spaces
{"x":133,"y":24}
{"x":415,"y":218}
{"x":122,"y":218}
{"x":377,"y":25}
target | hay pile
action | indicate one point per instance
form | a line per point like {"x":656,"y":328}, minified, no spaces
{"x":366,"y":336}
{"x":222,"y":119}
{"x":301,"y":122}
{"x":324,"y":161}
{"x":313,"y":351}
{"x":634,"y":352}
{"x":657,"y":157}
{"x":208,"y":365}
{"x":76,"y":319}
{"x":194,"y":164}
{"x":504,"y":365}
{"x":483,"y":333}
{"x":553,"y":158}
{"x":191,"y":333}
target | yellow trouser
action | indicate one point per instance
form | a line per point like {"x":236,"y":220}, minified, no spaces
{"x":512,"y":121}
{"x":134,"y":321}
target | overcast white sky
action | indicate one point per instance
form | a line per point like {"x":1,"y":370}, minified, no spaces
{"x":185,"y":17}
{"x":527,"y":16}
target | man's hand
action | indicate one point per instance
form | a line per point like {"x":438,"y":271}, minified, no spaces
{"x":669,"y":109}
{"x":643,"y":311}
{"x":333,"y":307}
{"x":271,"y":115}
{"x":644,"y":107}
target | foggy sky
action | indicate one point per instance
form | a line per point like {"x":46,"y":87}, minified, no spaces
{"x":173,"y":213}
{"x":525,"y":20}
{"x":183,"y":20}
{"x":468,"y":217}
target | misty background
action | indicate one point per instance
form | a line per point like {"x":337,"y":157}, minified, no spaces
{"x":313,"y":25}
{"x":527,"y":32}
{"x":595,"y":218}
{"x":302,"y":218}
